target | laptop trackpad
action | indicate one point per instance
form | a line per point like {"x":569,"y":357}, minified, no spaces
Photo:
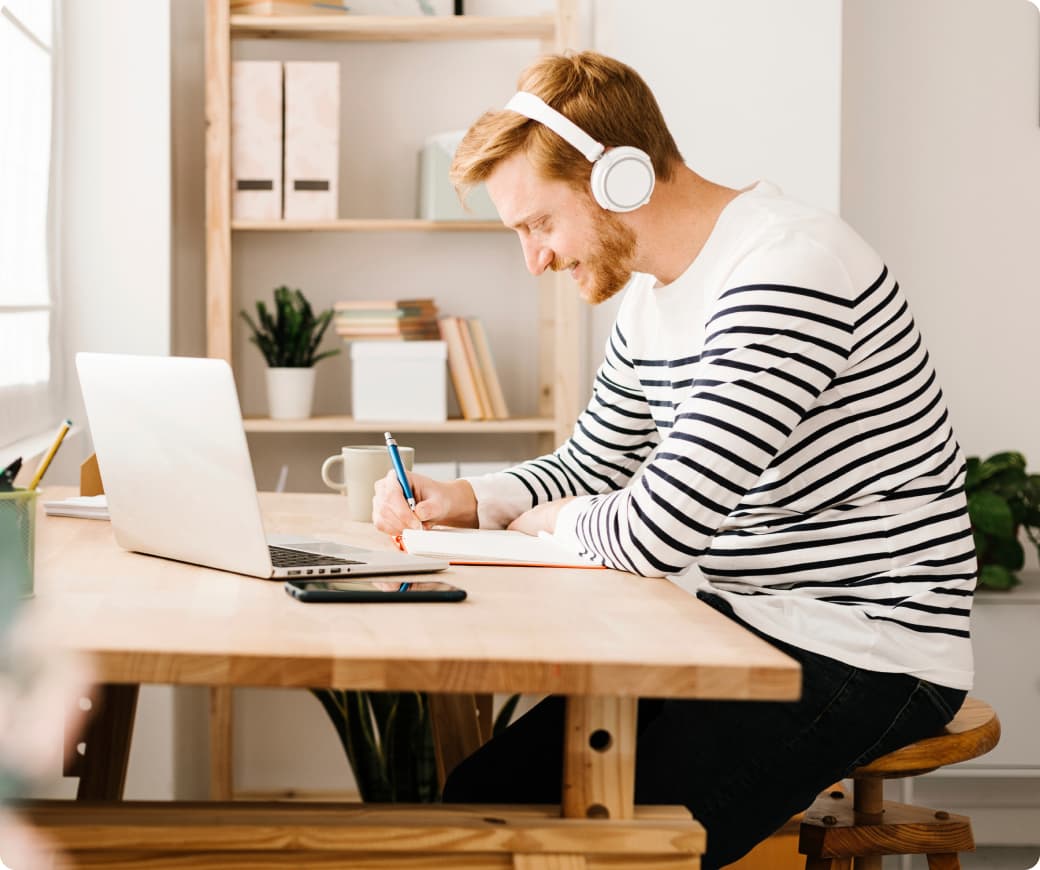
{"x":323,"y":548}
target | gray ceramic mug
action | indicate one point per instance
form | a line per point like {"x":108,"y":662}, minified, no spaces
{"x":362,"y":465}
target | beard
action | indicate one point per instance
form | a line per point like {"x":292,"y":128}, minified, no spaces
{"x":608,"y":267}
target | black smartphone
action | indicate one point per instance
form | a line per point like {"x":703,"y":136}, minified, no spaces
{"x":373,"y":590}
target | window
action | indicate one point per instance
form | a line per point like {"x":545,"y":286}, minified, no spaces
{"x":28,"y":334}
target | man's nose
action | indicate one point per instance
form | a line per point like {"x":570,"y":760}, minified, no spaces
{"x":537,"y":256}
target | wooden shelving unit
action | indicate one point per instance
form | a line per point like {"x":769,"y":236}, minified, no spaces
{"x":338,"y":423}
{"x":369,"y":225}
{"x":377,"y":28}
{"x":558,"y":338}
{"x":558,"y":334}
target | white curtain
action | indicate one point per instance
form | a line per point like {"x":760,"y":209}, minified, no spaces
{"x":30,"y":346}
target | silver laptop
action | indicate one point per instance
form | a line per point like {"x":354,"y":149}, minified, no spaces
{"x":178,"y":478}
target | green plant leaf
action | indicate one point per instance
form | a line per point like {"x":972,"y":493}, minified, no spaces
{"x":1007,"y":552}
{"x":352,"y":718}
{"x":290,"y":335}
{"x":505,"y":715}
{"x":324,"y":354}
{"x":1008,"y":484}
{"x":1030,"y":499}
{"x":981,"y":544}
{"x":971,"y":475}
{"x":997,"y":577}
{"x":1009,"y":460}
{"x":408,"y":755}
{"x":991,"y":514}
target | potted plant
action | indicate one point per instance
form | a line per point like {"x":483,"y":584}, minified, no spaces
{"x":1003,"y":499}
{"x":289,"y":341}
{"x":388,"y":740}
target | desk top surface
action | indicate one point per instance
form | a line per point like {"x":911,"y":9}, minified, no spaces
{"x":590,"y":632}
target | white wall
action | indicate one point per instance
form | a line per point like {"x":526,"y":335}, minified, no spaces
{"x":115,"y":246}
{"x":751,"y":89}
{"x":941,"y":172}
{"x":116,"y":211}
{"x":115,"y":221}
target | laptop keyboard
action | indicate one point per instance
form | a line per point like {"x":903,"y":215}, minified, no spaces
{"x":283,"y":557}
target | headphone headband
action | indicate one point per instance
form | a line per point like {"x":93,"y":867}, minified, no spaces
{"x":535,"y":108}
{"x":622,"y":178}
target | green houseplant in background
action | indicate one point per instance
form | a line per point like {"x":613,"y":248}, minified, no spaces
{"x":388,"y":739}
{"x":289,"y":339}
{"x":1003,"y":499}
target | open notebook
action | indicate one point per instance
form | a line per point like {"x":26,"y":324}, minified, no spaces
{"x":491,"y":547}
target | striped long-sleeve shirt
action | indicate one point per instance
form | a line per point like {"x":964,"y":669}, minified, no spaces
{"x":773,"y":419}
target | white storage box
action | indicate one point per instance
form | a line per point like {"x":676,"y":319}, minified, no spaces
{"x":437,"y":198}
{"x":311,"y":140}
{"x":399,"y":380}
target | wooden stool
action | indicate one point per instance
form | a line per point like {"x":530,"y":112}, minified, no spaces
{"x":833,"y":833}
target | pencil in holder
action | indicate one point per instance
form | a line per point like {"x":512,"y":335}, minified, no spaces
{"x":17,"y":545}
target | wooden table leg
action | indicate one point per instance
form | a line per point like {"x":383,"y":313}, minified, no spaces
{"x":599,"y":773}
{"x":221,"y":724}
{"x":102,"y":768}
{"x":457,"y":730}
{"x":599,"y":761}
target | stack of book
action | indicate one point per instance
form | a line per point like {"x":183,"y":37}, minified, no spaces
{"x":386,"y":320}
{"x":472,"y":369}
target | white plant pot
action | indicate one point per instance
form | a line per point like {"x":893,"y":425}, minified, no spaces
{"x":290,"y":393}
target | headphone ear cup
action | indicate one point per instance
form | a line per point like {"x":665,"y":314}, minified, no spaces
{"x":622,"y":179}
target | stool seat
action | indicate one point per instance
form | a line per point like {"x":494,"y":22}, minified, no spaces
{"x":833,"y":833}
{"x":974,"y":731}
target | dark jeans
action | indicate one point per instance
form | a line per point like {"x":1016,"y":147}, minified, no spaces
{"x":742,"y":768}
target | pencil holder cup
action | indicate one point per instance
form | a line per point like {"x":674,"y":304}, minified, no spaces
{"x":17,"y":539}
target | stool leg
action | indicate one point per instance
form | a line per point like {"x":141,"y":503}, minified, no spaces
{"x":945,"y":861}
{"x":828,"y":864}
{"x":868,"y":802}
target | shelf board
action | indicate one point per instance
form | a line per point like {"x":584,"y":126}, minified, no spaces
{"x":368,"y":225}
{"x":378,"y":28}
{"x":512,"y":426}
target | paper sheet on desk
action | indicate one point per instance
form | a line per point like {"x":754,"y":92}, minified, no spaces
{"x":491,"y":547}
{"x":87,"y":507}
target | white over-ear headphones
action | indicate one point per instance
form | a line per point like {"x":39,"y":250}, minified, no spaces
{"x":622,"y":178}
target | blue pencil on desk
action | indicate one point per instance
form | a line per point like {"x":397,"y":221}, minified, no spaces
{"x":402,"y":478}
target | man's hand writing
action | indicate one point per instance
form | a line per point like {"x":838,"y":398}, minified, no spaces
{"x":437,"y":503}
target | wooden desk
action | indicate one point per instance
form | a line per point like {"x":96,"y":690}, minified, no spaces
{"x":602,"y":638}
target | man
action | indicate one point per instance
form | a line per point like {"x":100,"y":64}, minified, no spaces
{"x":767,"y":415}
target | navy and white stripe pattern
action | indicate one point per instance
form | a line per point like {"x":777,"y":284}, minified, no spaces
{"x":803,"y":450}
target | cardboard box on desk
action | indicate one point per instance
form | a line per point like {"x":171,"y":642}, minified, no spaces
{"x":437,"y":198}
{"x":311,"y":140}
{"x":399,"y":380}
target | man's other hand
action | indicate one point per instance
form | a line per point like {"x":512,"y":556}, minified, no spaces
{"x":541,"y":518}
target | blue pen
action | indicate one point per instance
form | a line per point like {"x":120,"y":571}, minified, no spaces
{"x":402,"y":478}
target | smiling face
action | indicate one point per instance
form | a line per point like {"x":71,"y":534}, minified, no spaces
{"x":561,"y":228}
